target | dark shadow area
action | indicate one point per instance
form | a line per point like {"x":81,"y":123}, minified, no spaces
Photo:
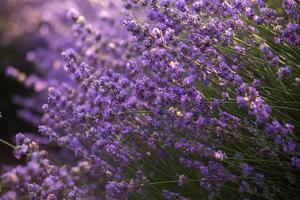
{"x":10,"y":124}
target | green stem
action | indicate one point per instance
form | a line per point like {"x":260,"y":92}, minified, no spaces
{"x":173,"y":181}
{"x":7,"y":143}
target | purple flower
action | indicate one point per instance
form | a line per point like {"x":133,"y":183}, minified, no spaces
{"x":244,"y":188}
{"x":168,"y":195}
{"x":246,"y":169}
{"x":200,"y":121}
{"x":289,"y":6}
{"x":219,"y":155}
{"x":284,"y":72}
{"x":126,"y":101}
{"x":180,"y":5}
{"x":182,"y":180}
{"x":295,"y":162}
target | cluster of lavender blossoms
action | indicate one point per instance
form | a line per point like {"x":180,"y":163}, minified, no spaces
{"x":163,"y":99}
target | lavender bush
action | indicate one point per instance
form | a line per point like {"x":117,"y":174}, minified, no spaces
{"x":162,"y":99}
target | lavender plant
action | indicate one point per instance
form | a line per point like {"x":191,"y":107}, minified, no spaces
{"x":168,"y":99}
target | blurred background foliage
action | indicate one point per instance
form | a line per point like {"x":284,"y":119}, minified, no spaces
{"x":13,"y":48}
{"x":22,"y":23}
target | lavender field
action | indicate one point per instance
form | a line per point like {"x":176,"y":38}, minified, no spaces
{"x":149,"y":99}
